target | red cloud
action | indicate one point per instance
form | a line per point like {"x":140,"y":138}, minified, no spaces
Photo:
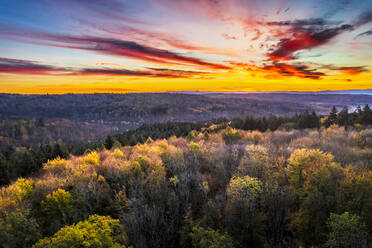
{"x":304,"y":39}
{"x":287,"y":47}
{"x":114,"y":47}
{"x":16,"y":66}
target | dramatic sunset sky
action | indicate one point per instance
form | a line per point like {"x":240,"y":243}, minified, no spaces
{"x":60,"y":46}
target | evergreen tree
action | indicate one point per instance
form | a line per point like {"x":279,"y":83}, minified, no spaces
{"x":332,"y":117}
{"x":109,"y":142}
{"x":366,"y":116}
{"x":343,"y":117}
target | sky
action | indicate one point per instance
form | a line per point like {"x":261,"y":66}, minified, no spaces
{"x":120,"y":46}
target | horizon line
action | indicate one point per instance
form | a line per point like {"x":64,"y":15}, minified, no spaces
{"x":191,"y":92}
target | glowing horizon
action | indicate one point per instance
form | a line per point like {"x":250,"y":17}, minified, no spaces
{"x":118,"y":46}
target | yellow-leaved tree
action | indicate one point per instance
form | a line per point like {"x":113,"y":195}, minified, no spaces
{"x":97,"y":231}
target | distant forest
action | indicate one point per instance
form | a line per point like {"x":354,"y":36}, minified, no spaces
{"x":128,"y":111}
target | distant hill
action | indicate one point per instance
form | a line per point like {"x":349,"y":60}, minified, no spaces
{"x":336,"y":92}
{"x":33,"y":119}
{"x":332,"y":92}
{"x":128,"y":111}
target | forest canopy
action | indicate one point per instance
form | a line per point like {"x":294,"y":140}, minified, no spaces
{"x":215,"y":187}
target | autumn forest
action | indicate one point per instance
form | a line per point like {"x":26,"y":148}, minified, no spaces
{"x":185,"y":124}
{"x":247,"y":182}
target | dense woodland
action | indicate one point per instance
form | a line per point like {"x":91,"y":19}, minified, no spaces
{"x":136,"y":109}
{"x":31,"y":131}
{"x":303,"y":180}
{"x":16,"y":161}
{"x":231,"y":188}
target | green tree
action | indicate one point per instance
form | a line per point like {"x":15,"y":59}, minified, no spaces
{"x":5,"y":170}
{"x":316,"y":181}
{"x":356,"y":195}
{"x":366,"y":116}
{"x":332,"y":117}
{"x":195,"y":236}
{"x":60,"y":150}
{"x":343,"y":117}
{"x":276,"y":202}
{"x":109,"y":142}
{"x":60,"y":209}
{"x":209,"y":238}
{"x":18,"y":230}
{"x":241,"y":214}
{"x":118,"y":205}
{"x":95,"y":232}
{"x":346,"y":231}
{"x":302,"y":163}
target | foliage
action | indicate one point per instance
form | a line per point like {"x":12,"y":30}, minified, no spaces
{"x":241,"y":214}
{"x":230,"y":135}
{"x":316,"y":180}
{"x":118,"y":153}
{"x":16,"y":163}
{"x":97,"y":231}
{"x":20,"y":190}
{"x":303,"y":162}
{"x":60,"y":209}
{"x":57,"y":165}
{"x":246,"y":188}
{"x":346,"y":231}
{"x":268,"y":189}
{"x":91,"y":158}
{"x":209,"y":238}
{"x":18,"y":230}
{"x":23,"y":161}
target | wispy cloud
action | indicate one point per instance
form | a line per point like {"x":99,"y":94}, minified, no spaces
{"x":150,"y":37}
{"x":349,"y":70}
{"x":367,"y":33}
{"x":115,"y":47}
{"x":17,"y":66}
